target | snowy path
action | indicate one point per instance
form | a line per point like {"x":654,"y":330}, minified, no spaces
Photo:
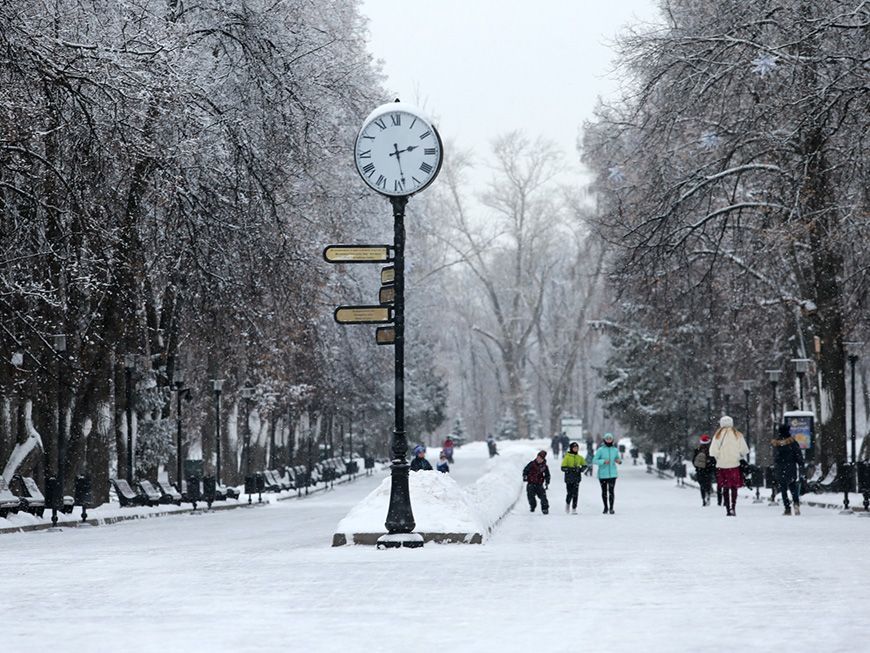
{"x":648,"y":578}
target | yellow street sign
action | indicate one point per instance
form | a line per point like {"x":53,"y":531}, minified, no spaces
{"x":387,"y":295}
{"x":358,"y":254}
{"x":388,"y":275}
{"x":385,"y":336}
{"x":363,"y":315}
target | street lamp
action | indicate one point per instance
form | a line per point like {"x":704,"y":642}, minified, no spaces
{"x":57,"y":489}
{"x":747,"y":388}
{"x":773,"y":377}
{"x":129,"y":366}
{"x":853,"y":348}
{"x":727,"y":398}
{"x":247,"y":393}
{"x":178,"y":382}
{"x":216,"y":386}
{"x":801,"y":366}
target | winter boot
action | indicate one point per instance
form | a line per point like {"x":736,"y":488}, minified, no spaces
{"x":573,"y":511}
{"x":567,"y":508}
{"x":611,"y":511}
{"x":787,"y":511}
{"x":797,"y":509}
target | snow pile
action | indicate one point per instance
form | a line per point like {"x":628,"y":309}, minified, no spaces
{"x":441,"y":506}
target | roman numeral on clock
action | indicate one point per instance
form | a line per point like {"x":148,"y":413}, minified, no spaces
{"x":396,"y":118}
{"x":425,"y":167}
{"x":381,"y":182}
{"x":425,"y":134}
{"x":369,"y":169}
{"x":429,"y":150}
{"x":380,"y":123}
{"x":398,"y":185}
{"x":367,"y":154}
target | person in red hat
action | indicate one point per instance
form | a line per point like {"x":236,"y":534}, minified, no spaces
{"x":705,"y":467}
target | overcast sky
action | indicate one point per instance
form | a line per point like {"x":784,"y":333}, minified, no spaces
{"x":484,"y":67}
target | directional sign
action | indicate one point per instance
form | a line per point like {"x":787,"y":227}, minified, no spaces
{"x":388,"y":274}
{"x":385,"y":336}
{"x":387,"y":295}
{"x":358,"y":253}
{"x":363,"y":315}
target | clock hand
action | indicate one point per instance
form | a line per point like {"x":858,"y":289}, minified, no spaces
{"x":396,"y":152}
{"x":410,"y":148}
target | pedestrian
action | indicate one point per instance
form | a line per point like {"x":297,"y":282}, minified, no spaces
{"x":556,"y":444}
{"x":448,"y":449}
{"x":788,"y":460}
{"x":442,"y":465}
{"x":705,"y":467}
{"x":537,"y":477}
{"x":419,"y":461}
{"x":590,"y":453}
{"x":491,"y":446}
{"x":728,"y":448}
{"x":564,"y":441}
{"x":572,"y":465}
{"x":607,"y":458}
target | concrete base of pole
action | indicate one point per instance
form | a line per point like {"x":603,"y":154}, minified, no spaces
{"x":400,"y":540}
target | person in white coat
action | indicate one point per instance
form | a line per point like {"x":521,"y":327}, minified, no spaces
{"x":728,"y":447}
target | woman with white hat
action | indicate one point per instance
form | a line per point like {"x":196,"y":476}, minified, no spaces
{"x":728,"y":447}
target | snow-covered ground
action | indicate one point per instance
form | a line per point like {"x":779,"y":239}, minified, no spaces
{"x":663,"y":574}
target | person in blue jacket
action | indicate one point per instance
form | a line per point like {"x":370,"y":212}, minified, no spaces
{"x":607,"y":458}
{"x":419,"y":461}
{"x":442,"y":465}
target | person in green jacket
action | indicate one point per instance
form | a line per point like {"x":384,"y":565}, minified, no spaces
{"x":607,"y":458}
{"x":573,"y":465}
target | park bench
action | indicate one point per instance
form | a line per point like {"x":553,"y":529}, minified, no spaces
{"x":153,"y":496}
{"x":168,"y":493}
{"x":9,"y":502}
{"x":127,"y":496}
{"x":32,"y":499}
{"x":271,"y":484}
{"x":283,"y":480}
{"x":224,"y":492}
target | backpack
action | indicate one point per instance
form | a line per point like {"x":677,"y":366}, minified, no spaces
{"x":700,"y":460}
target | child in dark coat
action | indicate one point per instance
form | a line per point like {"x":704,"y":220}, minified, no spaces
{"x":537,"y":477}
{"x":788,"y":459}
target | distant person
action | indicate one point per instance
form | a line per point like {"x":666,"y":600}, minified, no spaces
{"x":705,"y":468}
{"x":788,"y":460}
{"x":448,"y":449}
{"x":419,"y":461}
{"x":564,"y":441}
{"x":590,"y":453}
{"x":491,"y":446}
{"x":573,"y":465}
{"x":442,"y":465}
{"x":607,"y":458}
{"x":556,"y":445}
{"x":728,"y":447}
{"x":537,"y":477}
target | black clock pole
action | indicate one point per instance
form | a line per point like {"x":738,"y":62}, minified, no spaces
{"x":400,"y":517}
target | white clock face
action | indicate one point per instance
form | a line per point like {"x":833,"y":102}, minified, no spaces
{"x":398,"y":152}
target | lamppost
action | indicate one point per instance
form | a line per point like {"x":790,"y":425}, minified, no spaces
{"x":747,"y":388}
{"x":853,"y":348}
{"x":217,"y":386}
{"x":178,"y":382}
{"x":801,"y":367}
{"x":727,"y":397}
{"x":773,"y":377}
{"x":129,"y":366}
{"x":247,"y":393}
{"x":57,"y":489}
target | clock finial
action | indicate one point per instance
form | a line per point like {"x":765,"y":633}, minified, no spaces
{"x":397,"y":100}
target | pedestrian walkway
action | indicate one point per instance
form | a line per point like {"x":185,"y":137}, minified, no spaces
{"x":266,"y":578}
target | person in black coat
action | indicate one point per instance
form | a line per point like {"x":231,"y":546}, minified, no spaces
{"x":537,"y":476}
{"x":705,"y":468}
{"x":419,"y":461}
{"x":788,"y":460}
